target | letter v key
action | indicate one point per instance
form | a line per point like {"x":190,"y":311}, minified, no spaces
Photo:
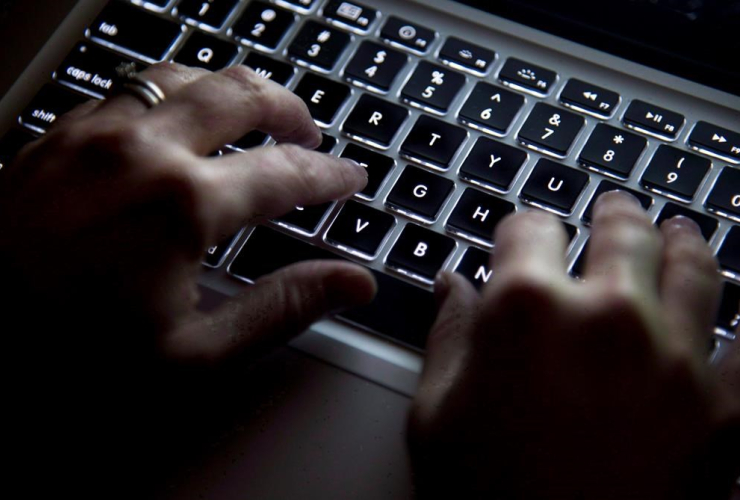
{"x":361,"y":225}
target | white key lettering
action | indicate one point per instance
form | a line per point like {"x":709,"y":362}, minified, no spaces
{"x":375,"y":118}
{"x":421,"y":249}
{"x":494,"y":161}
{"x":205,"y":55}
{"x":554,"y":188}
{"x":482,"y":274}
{"x":420,"y":191}
{"x":736,"y":201}
{"x":434,"y":139}
{"x":361,"y":225}
{"x":317,"y":96}
{"x":480,"y":213}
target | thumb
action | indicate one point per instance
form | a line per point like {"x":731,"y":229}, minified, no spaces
{"x":278,"y":307}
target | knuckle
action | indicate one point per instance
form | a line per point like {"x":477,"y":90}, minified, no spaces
{"x":691,"y":254}
{"x":120,"y":139}
{"x":245,"y":78}
{"x":624,"y":217}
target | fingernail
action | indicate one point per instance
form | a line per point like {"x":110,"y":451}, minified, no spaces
{"x":681,"y":223}
{"x":356,"y":166}
{"x":618,"y":194}
{"x":441,"y":288}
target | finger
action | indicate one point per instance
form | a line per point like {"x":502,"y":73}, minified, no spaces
{"x":690,"y":285}
{"x":267,"y":182}
{"x":531,"y":244}
{"x":278,"y":307}
{"x":78,"y":112}
{"x":226,"y":105}
{"x":447,"y":344}
{"x":625,"y":248}
{"x":169,"y":76}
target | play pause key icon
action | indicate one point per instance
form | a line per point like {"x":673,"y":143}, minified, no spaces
{"x":653,"y":120}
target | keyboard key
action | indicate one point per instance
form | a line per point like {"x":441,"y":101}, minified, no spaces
{"x":375,"y":121}
{"x":477,"y":214}
{"x":318,"y":45}
{"x":673,"y":172}
{"x":729,"y":253}
{"x":206,"y":51}
{"x":375,"y":67}
{"x":653,"y":120}
{"x":589,"y":99}
{"x":157,"y":3}
{"x":216,"y":254}
{"x":432,"y":87}
{"x":263,"y":24}
{"x":491,"y":109}
{"x":550,"y":129}
{"x":433,"y":142}
{"x":419,"y":194}
{"x":554,"y":186}
{"x":725,"y":196}
{"x":49,"y":104}
{"x":210,"y":13}
{"x":401,"y":311}
{"x":475,"y":265}
{"x":266,"y":67}
{"x":728,"y":316}
{"x":378,"y":167}
{"x":299,"y":5}
{"x":578,"y":269}
{"x":491,"y":163}
{"x":253,"y":139}
{"x":306,"y":219}
{"x":467,"y":56}
{"x":323,"y":97}
{"x":420,"y":253}
{"x":408,"y":35}
{"x":12,"y":142}
{"x":716,"y":141}
{"x":606,"y":186}
{"x":352,"y":15}
{"x":135,"y":31}
{"x":524,"y":76}
{"x":612,"y":151}
{"x":92,"y":70}
{"x":360,"y":228}
{"x":707,"y":224}
{"x":328,"y":143}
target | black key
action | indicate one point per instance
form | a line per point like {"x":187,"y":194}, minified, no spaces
{"x":524,"y":76}
{"x":590,"y":99}
{"x":579,"y":265}
{"x":375,"y":121}
{"x":571,"y":230}
{"x":11,"y":143}
{"x":716,"y":141}
{"x":378,"y":167}
{"x":206,"y":51}
{"x":352,"y":15}
{"x":251,"y":140}
{"x":375,"y":66}
{"x":92,"y":70}
{"x":492,"y":163}
{"x":612,"y":151}
{"x":555,"y":186}
{"x":729,"y":253}
{"x":306,"y":219}
{"x":158,"y":3}
{"x":216,"y":254}
{"x":606,"y":186}
{"x":135,"y":31}
{"x":653,"y":120}
{"x":263,"y":24}
{"x":477,"y":214}
{"x":407,"y":35}
{"x":299,"y":5}
{"x":270,"y":69}
{"x":728,"y":316}
{"x":328,"y":143}
{"x":433,"y":142}
{"x":550,"y":129}
{"x":360,"y":228}
{"x":707,"y":224}
{"x":420,"y":252}
{"x":725,"y":196}
{"x":49,"y":104}
{"x":432,"y":87}
{"x":467,"y":56}
{"x":401,"y":311}
{"x":419,"y":194}
{"x":491,"y":109}
{"x":475,"y":265}
{"x":322,"y":96}
{"x":211,"y":13}
{"x":673,"y":172}
{"x":318,"y":45}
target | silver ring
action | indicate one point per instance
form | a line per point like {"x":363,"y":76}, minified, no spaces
{"x":145,"y":90}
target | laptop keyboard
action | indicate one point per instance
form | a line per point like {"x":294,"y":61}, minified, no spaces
{"x":454,"y":137}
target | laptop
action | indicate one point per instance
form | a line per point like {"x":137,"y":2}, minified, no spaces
{"x":462,"y":112}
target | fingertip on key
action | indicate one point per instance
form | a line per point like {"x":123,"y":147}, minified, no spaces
{"x":680,"y":224}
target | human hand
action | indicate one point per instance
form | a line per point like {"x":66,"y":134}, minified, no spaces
{"x":546,"y":387}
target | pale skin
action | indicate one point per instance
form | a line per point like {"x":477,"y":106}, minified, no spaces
{"x":533,"y":384}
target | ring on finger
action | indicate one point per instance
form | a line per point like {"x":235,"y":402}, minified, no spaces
{"x":145,"y":90}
